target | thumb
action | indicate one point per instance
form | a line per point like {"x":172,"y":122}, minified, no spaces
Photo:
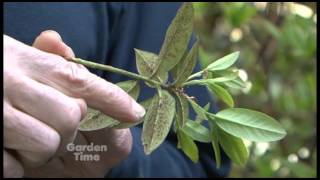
{"x":50,"y":41}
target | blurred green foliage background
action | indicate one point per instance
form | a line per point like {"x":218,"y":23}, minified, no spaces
{"x":277,"y":44}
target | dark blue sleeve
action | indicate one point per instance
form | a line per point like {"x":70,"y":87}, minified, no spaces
{"x":107,"y":33}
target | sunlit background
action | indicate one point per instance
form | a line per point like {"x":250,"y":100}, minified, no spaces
{"x":277,"y":42}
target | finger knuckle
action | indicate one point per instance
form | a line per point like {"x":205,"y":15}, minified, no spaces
{"x":51,"y":145}
{"x":83,"y":107}
{"x":73,"y":117}
{"x":124,"y":143}
{"x":40,"y":156}
{"x":90,"y":87}
{"x":11,"y":81}
{"x":73,"y":74}
{"x":118,"y":96}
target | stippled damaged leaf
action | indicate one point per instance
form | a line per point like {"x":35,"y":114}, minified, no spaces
{"x":176,"y":39}
{"x":174,"y":70}
{"x":123,"y":125}
{"x":131,"y":87}
{"x":145,"y":104}
{"x":95,"y":120}
{"x":185,"y":67}
{"x":182,"y":109}
{"x":158,"y":120}
{"x":147,"y":62}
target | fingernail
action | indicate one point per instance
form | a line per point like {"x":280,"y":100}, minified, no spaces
{"x":138,"y":110}
{"x":70,"y":52}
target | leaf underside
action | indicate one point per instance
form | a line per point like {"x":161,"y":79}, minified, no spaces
{"x":250,"y":125}
{"x":158,"y":120}
{"x":95,"y":120}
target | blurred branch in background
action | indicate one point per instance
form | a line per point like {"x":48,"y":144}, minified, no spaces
{"x":277,"y":42}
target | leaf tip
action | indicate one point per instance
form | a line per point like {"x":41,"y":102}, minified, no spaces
{"x":237,"y":54}
{"x":136,"y":50}
{"x":230,"y":102}
{"x":284,"y":133}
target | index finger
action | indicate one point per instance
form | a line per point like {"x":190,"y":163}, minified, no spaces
{"x":76,"y":81}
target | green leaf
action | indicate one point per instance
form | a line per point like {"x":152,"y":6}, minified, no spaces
{"x":215,"y":143}
{"x":226,"y":78}
{"x":249,"y":124}
{"x":182,"y":109}
{"x":238,"y":13}
{"x":198,"y":118}
{"x":188,"y":146}
{"x":271,"y":28}
{"x":221,"y":93}
{"x":197,"y":131}
{"x":95,"y":120}
{"x":158,"y":120}
{"x":224,"y":62}
{"x":185,"y":67}
{"x":237,"y":83}
{"x":217,"y":78}
{"x":207,"y":107}
{"x":198,"y":109}
{"x":233,"y":147}
{"x":232,"y":71}
{"x":176,"y":39}
{"x":147,"y":62}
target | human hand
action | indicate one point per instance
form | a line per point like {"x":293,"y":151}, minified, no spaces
{"x":45,"y":97}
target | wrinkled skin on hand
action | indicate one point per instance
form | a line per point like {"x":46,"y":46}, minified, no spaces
{"x":45,"y":98}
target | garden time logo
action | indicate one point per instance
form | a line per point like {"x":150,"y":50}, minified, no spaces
{"x":86,"y":152}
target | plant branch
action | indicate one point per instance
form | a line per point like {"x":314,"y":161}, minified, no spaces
{"x":116,"y":70}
